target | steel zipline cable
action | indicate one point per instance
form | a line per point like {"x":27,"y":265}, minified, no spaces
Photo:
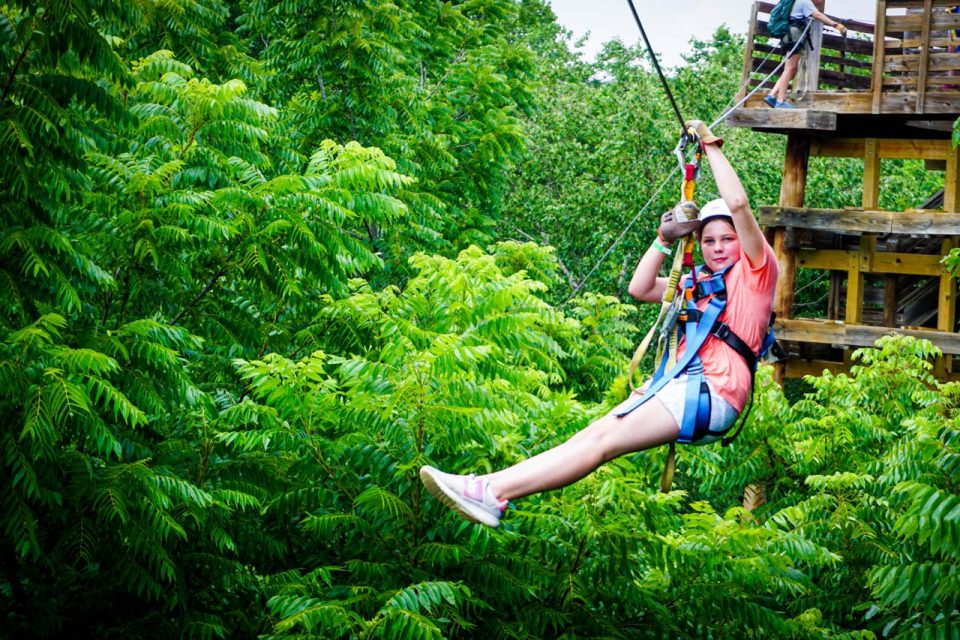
{"x":656,"y":64}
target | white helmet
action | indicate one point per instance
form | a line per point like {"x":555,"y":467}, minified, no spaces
{"x":713,"y":210}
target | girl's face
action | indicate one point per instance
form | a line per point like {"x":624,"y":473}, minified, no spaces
{"x":719,"y":245}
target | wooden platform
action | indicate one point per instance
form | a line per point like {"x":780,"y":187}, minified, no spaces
{"x":906,"y":64}
{"x":820,"y":120}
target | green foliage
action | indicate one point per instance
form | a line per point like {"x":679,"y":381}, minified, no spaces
{"x":244,"y":300}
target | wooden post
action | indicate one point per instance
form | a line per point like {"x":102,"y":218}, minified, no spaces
{"x":951,"y":182}
{"x":859,"y":263}
{"x":879,"y":48}
{"x":792,"y":193}
{"x":924,"y":55}
{"x":810,"y":73}
{"x":871,"y":175}
{"x":946,"y":308}
{"x":890,"y":301}
{"x":748,"y":52}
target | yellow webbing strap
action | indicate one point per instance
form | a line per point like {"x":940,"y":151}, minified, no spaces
{"x":668,"y":468}
{"x":667,"y":301}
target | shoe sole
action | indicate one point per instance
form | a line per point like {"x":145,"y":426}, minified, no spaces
{"x":439,"y":490}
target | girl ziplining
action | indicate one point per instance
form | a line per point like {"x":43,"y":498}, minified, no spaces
{"x":698,"y":399}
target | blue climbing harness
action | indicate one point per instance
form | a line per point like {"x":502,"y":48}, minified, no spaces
{"x":696,"y":326}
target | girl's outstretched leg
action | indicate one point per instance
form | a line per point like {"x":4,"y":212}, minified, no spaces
{"x":647,"y":426}
{"x":482,"y":499}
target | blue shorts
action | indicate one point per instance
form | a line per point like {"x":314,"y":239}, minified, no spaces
{"x":674,"y":396}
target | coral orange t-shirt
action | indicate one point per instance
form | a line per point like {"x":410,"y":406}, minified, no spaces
{"x":749,"y":304}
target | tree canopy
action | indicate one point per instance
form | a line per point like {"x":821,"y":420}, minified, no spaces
{"x":260,"y":261}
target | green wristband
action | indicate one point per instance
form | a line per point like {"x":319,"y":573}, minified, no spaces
{"x":661,"y":248}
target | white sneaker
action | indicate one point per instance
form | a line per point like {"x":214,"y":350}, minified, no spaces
{"x":469,"y":496}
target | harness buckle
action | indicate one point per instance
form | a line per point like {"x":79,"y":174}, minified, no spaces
{"x":721,"y":330}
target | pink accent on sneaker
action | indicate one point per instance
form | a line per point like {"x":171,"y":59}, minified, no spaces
{"x":473,"y":488}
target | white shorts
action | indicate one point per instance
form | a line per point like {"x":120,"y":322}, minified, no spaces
{"x":674,"y":396}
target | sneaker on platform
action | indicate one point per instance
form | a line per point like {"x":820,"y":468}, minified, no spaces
{"x":469,"y":496}
{"x":783,"y":105}
{"x":771,"y":101}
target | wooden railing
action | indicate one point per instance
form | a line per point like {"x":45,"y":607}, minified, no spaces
{"x":839,"y":63}
{"x":913,"y":68}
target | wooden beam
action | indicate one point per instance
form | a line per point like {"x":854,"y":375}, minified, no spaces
{"x":919,"y":221}
{"x":908,"y":264}
{"x":900,"y":149}
{"x":829,"y":259}
{"x":858,"y":335}
{"x":799,"y":368}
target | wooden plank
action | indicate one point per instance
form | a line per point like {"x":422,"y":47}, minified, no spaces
{"x":826,"y":219}
{"x":904,"y":83}
{"x":858,"y":335}
{"x":798,"y":119}
{"x":912,"y":63}
{"x":854,"y":220}
{"x":914,"y":43}
{"x":919,"y":22}
{"x":879,"y":46}
{"x":914,"y":4}
{"x":945,"y":22}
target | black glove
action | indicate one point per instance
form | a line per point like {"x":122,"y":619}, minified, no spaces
{"x":678,"y":222}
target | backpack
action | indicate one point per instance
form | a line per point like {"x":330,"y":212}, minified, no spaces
{"x":779,"y":24}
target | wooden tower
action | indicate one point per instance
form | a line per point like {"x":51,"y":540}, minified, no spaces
{"x":887,"y":90}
